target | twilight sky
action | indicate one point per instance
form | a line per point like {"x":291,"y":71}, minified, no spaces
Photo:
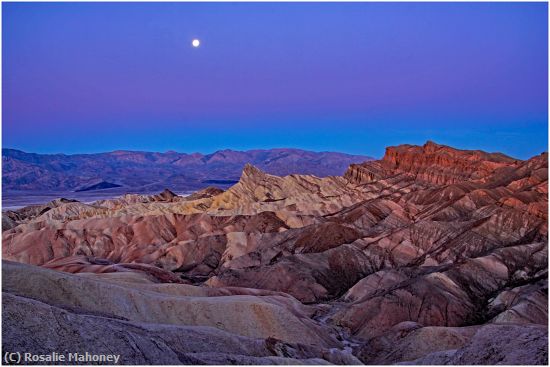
{"x":351,"y":77}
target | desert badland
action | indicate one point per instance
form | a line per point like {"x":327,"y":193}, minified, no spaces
{"x":431,"y":255}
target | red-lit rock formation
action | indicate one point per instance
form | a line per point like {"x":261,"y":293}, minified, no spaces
{"x":432,"y":163}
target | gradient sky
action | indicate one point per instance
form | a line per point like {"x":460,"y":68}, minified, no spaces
{"x":351,"y":77}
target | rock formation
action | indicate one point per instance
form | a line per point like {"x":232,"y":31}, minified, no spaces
{"x":429,"y":255}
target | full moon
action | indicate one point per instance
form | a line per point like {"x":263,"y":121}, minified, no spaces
{"x":196,"y":43}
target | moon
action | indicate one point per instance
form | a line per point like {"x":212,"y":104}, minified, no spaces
{"x":196,"y":43}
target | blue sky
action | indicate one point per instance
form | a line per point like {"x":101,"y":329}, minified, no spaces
{"x":351,"y":77}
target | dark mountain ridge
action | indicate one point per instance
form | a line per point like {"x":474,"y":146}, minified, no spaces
{"x":154,"y":170}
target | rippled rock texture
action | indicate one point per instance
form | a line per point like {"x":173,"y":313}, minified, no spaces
{"x":430,"y":255}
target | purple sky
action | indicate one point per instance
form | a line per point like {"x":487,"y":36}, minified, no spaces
{"x":352,"y":77}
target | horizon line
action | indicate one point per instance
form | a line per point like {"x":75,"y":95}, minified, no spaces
{"x":268,"y":149}
{"x":187,"y":153}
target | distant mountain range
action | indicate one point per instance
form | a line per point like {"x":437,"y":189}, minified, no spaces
{"x":156,"y":171}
